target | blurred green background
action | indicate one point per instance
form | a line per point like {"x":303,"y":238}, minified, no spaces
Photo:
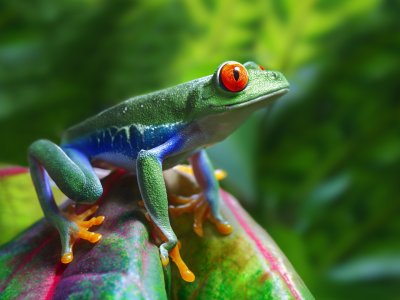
{"x":319,"y":170}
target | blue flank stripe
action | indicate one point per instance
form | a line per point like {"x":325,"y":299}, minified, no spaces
{"x":128,"y":140}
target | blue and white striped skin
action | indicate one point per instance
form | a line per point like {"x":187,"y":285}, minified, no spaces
{"x":146,"y":135}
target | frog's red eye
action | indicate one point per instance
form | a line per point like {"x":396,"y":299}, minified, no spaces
{"x":261,"y":67}
{"x":233,"y":76}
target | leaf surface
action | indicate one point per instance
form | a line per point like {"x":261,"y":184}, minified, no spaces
{"x":125,"y":264}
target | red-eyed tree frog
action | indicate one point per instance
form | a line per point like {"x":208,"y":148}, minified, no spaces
{"x":146,"y":135}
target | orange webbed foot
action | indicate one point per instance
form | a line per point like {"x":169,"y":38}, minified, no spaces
{"x":82,"y":230}
{"x":198,"y":205}
{"x":175,"y":255}
{"x":200,"y":208}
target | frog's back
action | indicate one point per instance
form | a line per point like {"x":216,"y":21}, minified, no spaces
{"x":155,"y":109}
{"x":117,"y":134}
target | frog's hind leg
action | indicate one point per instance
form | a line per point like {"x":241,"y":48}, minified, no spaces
{"x":205,"y":204}
{"x":152,"y":188}
{"x":73,"y":174}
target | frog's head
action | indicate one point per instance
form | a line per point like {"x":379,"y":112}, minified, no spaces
{"x":234,"y":91}
{"x":238,"y":85}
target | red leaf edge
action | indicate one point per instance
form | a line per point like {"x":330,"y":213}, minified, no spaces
{"x":14,"y":170}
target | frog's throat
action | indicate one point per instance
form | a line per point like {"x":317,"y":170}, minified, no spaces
{"x":260,"y":101}
{"x":216,"y":127}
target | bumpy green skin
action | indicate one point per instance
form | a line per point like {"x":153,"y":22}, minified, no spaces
{"x":194,"y":101}
{"x":145,"y":135}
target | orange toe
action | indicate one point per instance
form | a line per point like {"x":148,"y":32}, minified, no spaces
{"x":99,"y":220}
{"x":186,"y":274}
{"x":89,"y":236}
{"x":67,"y":258}
{"x":224,"y":228}
{"x":83,"y":228}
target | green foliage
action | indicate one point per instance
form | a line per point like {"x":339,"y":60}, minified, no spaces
{"x":332,"y":156}
{"x":15,"y":215}
{"x":18,"y":211}
{"x":319,"y":170}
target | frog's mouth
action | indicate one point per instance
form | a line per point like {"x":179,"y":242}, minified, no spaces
{"x":261,"y":100}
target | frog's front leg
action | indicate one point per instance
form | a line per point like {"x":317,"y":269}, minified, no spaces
{"x":154,"y":193}
{"x":73,"y":174}
{"x":207,"y":203}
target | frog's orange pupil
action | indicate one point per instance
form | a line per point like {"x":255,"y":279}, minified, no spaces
{"x":234,"y":77}
{"x":261,"y":67}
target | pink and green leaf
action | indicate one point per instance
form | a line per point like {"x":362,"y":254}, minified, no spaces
{"x":19,"y":207}
{"x":125,"y":263}
{"x":247,"y":264}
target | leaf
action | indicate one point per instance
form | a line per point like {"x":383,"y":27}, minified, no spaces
{"x":126,"y":264}
{"x":18,"y":211}
{"x":19,"y":205}
{"x":123,"y":265}
{"x":367,"y":268}
{"x":247,"y":264}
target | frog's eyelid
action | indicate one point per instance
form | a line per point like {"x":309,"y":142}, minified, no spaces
{"x":251,"y":65}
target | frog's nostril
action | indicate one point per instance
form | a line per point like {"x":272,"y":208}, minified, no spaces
{"x":274,"y":75}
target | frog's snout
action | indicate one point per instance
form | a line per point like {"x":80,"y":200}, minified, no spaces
{"x":274,"y":75}
{"x":278,"y":78}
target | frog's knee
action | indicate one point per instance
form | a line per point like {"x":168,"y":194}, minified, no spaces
{"x":89,"y":194}
{"x":38,"y":147}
